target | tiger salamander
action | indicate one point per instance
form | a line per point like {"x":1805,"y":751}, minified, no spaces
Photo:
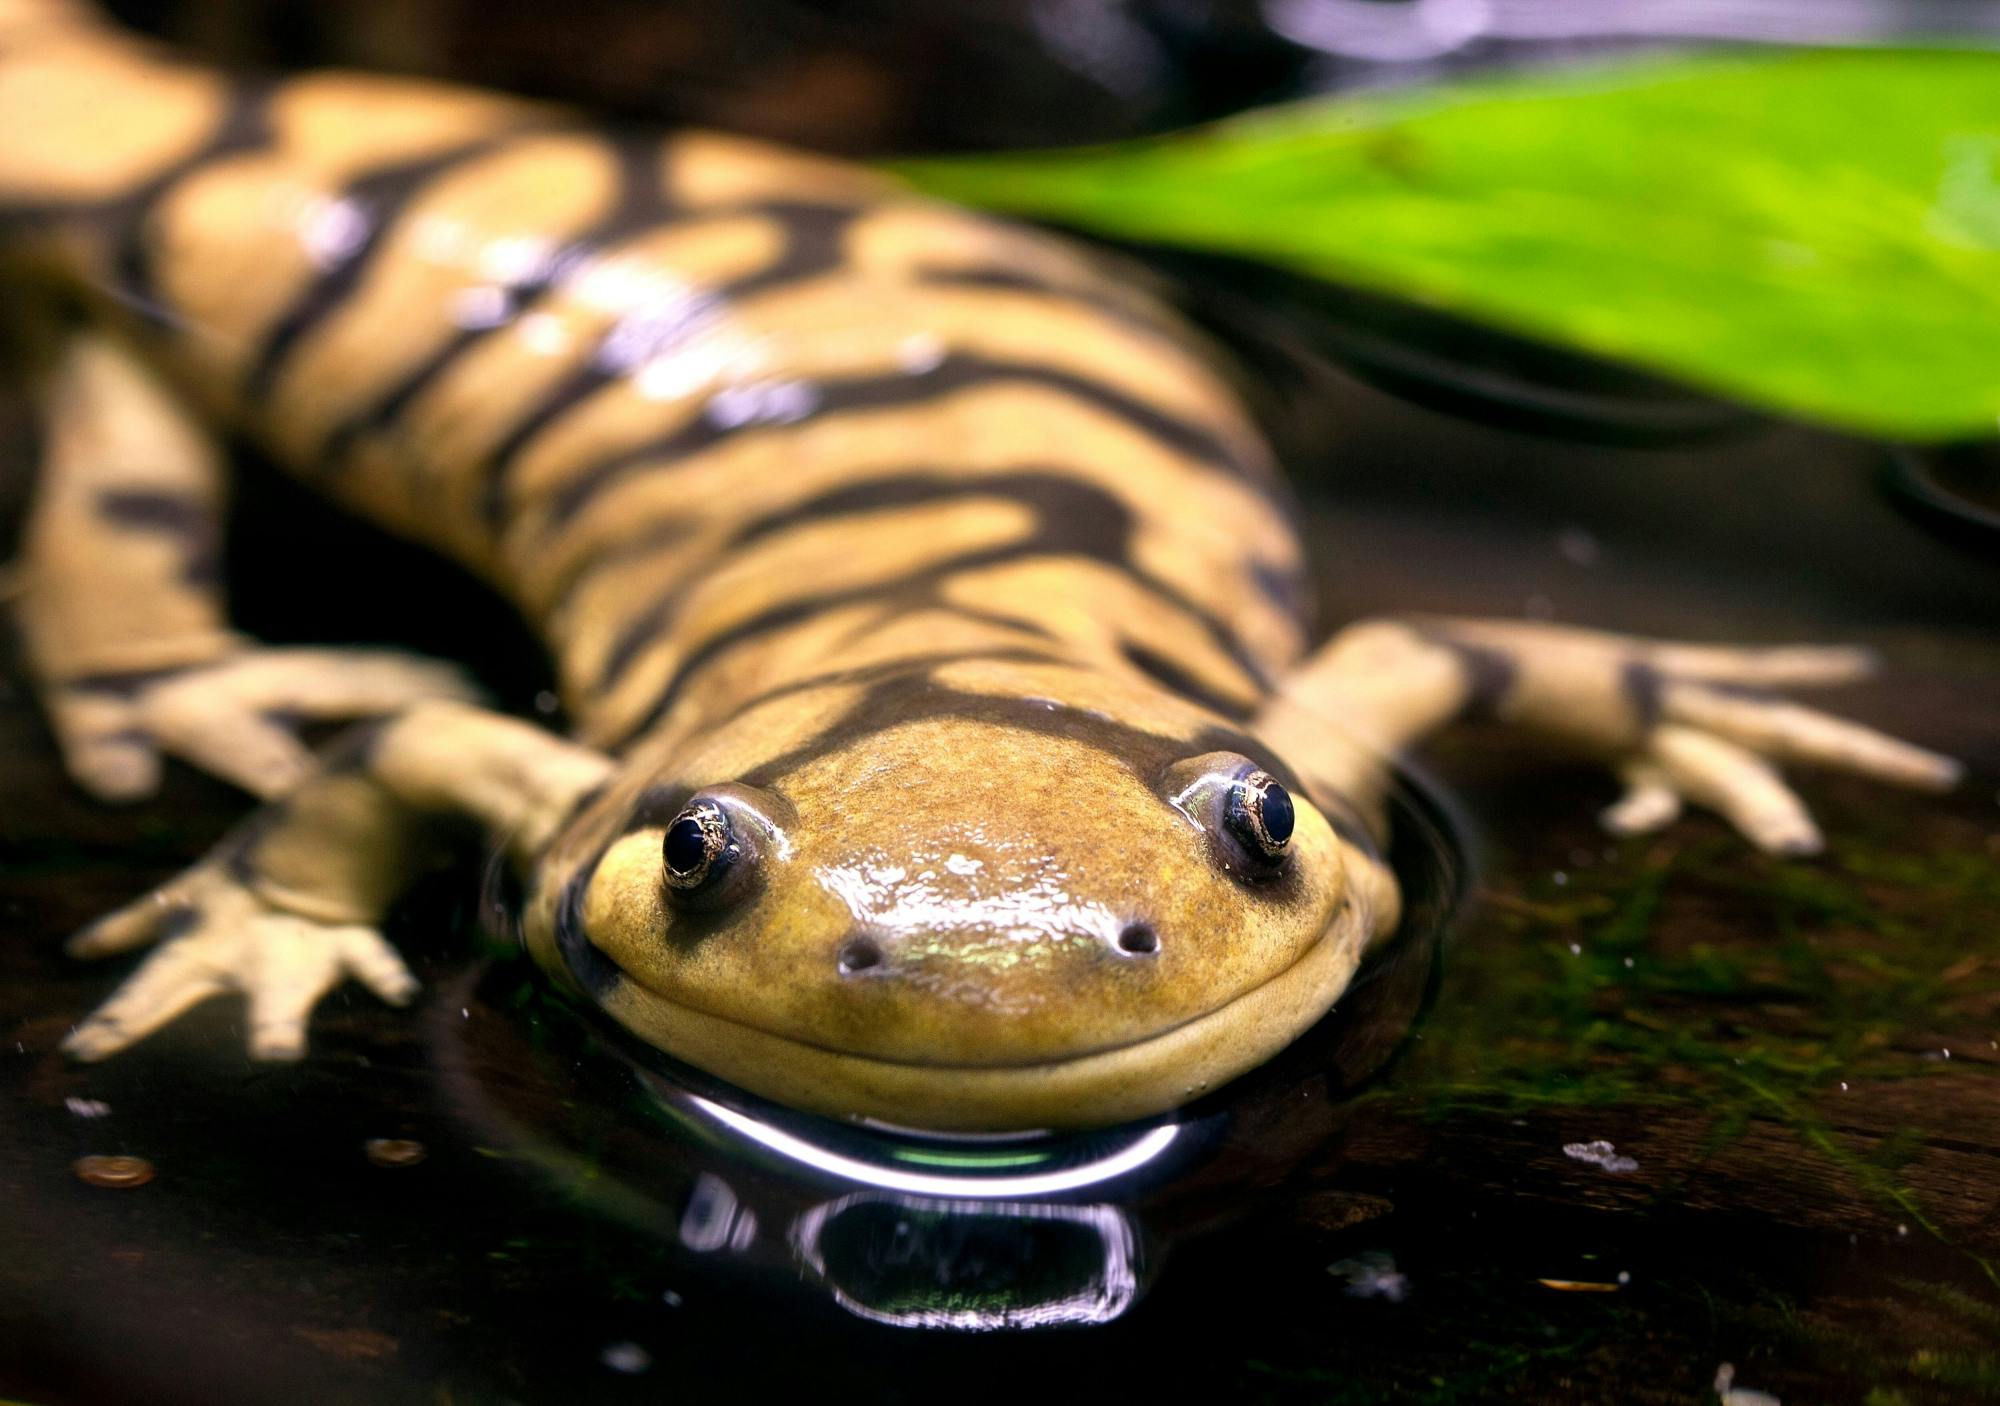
{"x":948,"y":749}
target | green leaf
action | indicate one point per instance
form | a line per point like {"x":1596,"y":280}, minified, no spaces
{"x":1815,"y":231}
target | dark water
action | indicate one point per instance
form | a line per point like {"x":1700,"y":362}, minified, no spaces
{"x":1794,"y":1064}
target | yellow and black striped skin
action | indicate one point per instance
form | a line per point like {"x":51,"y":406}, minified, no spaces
{"x":938,"y":556}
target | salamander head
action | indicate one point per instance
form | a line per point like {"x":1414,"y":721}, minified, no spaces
{"x":989,"y":898}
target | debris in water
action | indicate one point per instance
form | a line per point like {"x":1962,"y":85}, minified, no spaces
{"x":113,"y":1171}
{"x":394,"y":1151}
{"x":1600,"y":1154}
{"x":1732,"y":1395}
{"x":87,"y":1107}
{"x":1578,"y":1286}
{"x":628,"y":1358}
{"x":1372,"y":1276}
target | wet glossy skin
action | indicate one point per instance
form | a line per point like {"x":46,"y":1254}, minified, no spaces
{"x":955,"y":893}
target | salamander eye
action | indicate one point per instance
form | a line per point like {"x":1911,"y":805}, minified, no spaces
{"x":699,"y":848}
{"x":1260,"y":815}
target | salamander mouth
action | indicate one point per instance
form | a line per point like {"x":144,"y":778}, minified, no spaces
{"x":1092,"y":1088}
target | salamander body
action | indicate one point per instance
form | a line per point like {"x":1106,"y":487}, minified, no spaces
{"x":946,"y":746}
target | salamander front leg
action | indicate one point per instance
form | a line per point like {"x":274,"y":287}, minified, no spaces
{"x":287,"y":908}
{"x":1679,"y":722}
{"x":121,"y":610}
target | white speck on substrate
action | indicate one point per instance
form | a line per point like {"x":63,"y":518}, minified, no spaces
{"x":464,"y":1013}
{"x":1600,"y":1154}
{"x":1624,"y":1276}
{"x":1733,"y":1395}
{"x":628,"y":1358}
{"x":87,"y":1107}
{"x":1561,"y":879}
{"x":1902,"y":1229}
{"x":1372,"y":1275}
{"x":1576,"y":949}
{"x":670,"y":1298}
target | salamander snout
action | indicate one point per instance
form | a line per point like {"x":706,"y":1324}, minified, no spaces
{"x":908,"y":924}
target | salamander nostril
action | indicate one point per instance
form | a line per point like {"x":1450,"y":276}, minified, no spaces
{"x":858,"y":955}
{"x":1139,"y":939}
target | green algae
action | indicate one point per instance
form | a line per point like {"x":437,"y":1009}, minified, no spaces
{"x":1618,"y":984}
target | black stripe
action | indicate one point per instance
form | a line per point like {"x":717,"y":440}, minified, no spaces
{"x":815,"y":244}
{"x":1645,"y":693}
{"x":881,"y":391}
{"x":813,"y":235}
{"x":874,"y":673}
{"x":189,"y":525}
{"x":642,"y":202}
{"x":1180,"y":682}
{"x":1284,"y":587}
{"x":1073,"y":517}
{"x":659,"y":536}
{"x":1489,"y":676}
{"x":245,"y":126}
{"x":381,"y":197}
{"x":907,"y":698}
{"x":1135,"y":311}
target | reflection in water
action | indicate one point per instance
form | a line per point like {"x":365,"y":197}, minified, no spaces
{"x":1145,"y":1148}
{"x":714,"y":1218}
{"x":973,"y":1265}
{"x":902,"y":1227}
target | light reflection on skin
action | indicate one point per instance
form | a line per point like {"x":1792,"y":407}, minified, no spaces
{"x":670,"y":338}
{"x":955,"y":910}
{"x":1031,"y":906}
